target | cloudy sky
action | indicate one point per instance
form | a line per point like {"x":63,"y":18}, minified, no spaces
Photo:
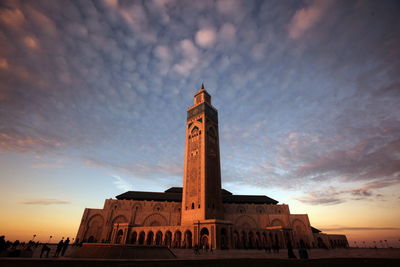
{"x":93,"y":99}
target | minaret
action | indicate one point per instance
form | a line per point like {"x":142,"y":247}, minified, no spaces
{"x":201,"y":199}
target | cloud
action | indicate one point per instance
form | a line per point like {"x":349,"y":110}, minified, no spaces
{"x":227,"y":32}
{"x":366,"y":160}
{"x":163,"y":53}
{"x":31,"y":42}
{"x":47,"y":166}
{"x":158,"y":170}
{"x":206,"y":37}
{"x":334,"y":195}
{"x":328,"y":196}
{"x":23,"y":143}
{"x":45,"y":201}
{"x":305,"y":18}
{"x":136,"y":17}
{"x":121,"y":183}
{"x":229,"y":7}
{"x":111,"y":81}
{"x":3,"y":63}
{"x":190,"y":59}
{"x":12,"y":16}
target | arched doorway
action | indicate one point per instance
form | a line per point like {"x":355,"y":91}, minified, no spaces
{"x":177,"y":239}
{"x":159,"y":238}
{"x":236,"y":243}
{"x":251,"y":240}
{"x":141,"y":238}
{"x":224,"y":239}
{"x":243,"y":240}
{"x":188,"y":239}
{"x":134,"y":238}
{"x":265,"y":240}
{"x":204,"y":242}
{"x":118,"y":238}
{"x":150,"y":238}
{"x":168,"y":239}
{"x":258,"y":240}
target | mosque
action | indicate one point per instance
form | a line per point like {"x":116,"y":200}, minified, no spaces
{"x":201,"y":212}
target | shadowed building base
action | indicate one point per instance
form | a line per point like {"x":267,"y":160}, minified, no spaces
{"x":113,"y":251}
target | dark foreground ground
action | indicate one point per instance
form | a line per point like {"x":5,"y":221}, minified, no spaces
{"x":209,"y":263}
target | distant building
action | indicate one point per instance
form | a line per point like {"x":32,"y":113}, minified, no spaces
{"x":200,"y":213}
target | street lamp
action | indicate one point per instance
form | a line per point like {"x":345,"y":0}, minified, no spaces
{"x":33,"y":237}
{"x":49,"y":239}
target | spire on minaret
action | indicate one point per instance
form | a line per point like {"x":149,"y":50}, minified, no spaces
{"x":202,"y":86}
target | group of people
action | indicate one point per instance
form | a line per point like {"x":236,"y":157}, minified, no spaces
{"x":61,"y":248}
{"x":16,"y":248}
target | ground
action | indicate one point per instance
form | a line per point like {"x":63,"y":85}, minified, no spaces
{"x":209,"y":263}
{"x":243,"y":258}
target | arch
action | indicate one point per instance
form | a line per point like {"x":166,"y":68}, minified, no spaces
{"x":94,"y":228}
{"x":204,"y":237}
{"x":243,"y":239}
{"x":212,"y":132}
{"x":194,"y":129}
{"x":264,"y":240}
{"x":168,"y":238}
{"x":188,"y":239}
{"x":134,"y":237}
{"x":245,"y":221}
{"x":298,"y":227}
{"x":177,"y":239}
{"x":150,"y":238}
{"x":155,"y":219}
{"x":142,"y":236}
{"x":119,"y":219}
{"x":159,"y":236}
{"x":277,"y":222}
{"x":224,"y":239}
{"x":236,"y":241}
{"x":118,"y":238}
{"x":258,"y":240}
{"x":251,"y":239}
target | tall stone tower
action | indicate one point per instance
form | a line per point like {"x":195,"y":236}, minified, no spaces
{"x":201,"y":199}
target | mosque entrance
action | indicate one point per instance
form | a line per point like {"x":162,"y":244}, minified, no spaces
{"x":204,"y":238}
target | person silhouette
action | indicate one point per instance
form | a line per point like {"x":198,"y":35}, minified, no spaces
{"x":65,"y":246}
{"x":3,"y":244}
{"x":290,"y":251}
{"x":59,"y":248}
{"x":45,"y":249}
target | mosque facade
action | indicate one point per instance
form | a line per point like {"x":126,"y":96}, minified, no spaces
{"x":201,"y":212}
